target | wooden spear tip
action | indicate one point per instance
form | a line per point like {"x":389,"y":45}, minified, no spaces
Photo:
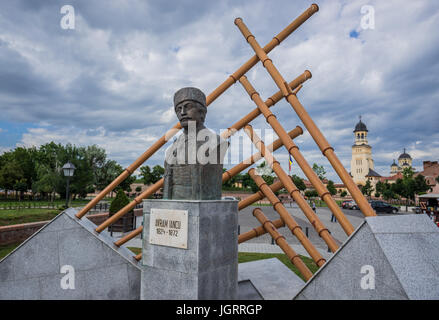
{"x":239,"y":18}
{"x":315,"y":7}
{"x":308,"y":74}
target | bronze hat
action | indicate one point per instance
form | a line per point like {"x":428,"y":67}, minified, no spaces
{"x":189,"y":93}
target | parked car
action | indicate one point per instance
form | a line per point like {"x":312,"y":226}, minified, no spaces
{"x":381,"y":206}
{"x":349,"y":205}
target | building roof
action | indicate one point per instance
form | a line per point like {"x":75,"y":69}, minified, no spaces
{"x":360,"y":126}
{"x":372,"y":173}
{"x":394,"y":164}
{"x":391,"y":178}
{"x":404,"y":155}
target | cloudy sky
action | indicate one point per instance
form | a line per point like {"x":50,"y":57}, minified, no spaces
{"x":110,"y":80}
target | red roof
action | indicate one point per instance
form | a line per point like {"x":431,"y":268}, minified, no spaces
{"x":392,"y":178}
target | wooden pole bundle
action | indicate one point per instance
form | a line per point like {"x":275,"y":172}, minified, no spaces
{"x":259,"y":231}
{"x":210,"y":98}
{"x":296,"y":230}
{"x":318,"y":137}
{"x":294,"y":151}
{"x":282,"y":243}
{"x":257,"y":156}
{"x":244,"y":203}
{"x":292,"y":190}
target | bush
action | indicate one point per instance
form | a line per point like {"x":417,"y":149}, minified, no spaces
{"x":119,"y":202}
{"x":311,"y":193}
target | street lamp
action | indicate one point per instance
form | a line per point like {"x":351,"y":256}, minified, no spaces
{"x":68,"y":169}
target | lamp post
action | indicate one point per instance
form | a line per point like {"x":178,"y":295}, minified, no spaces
{"x":69,"y":170}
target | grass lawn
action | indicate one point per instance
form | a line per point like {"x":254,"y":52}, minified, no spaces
{"x":252,"y":256}
{"x":10,"y":217}
{"x":14,"y":205}
{"x":5,"y":250}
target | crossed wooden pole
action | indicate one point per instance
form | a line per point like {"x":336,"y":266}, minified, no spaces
{"x":289,"y":92}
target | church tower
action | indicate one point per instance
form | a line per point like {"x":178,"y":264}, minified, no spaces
{"x":404,"y":161}
{"x":361,"y":162}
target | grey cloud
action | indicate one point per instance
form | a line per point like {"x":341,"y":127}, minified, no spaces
{"x":119,"y":68}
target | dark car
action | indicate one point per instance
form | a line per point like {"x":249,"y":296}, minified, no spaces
{"x":381,"y":206}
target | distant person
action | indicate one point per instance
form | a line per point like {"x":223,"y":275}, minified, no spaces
{"x":314,"y":206}
{"x":333,"y":218}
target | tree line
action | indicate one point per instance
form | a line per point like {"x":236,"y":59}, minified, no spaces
{"x":39,"y":171}
{"x":406,"y":187}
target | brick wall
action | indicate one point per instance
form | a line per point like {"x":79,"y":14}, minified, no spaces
{"x":20,"y":232}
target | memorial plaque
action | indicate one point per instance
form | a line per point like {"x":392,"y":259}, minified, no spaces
{"x":168,"y":228}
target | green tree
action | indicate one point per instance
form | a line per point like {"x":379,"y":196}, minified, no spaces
{"x":126,"y":184}
{"x":343,"y":194}
{"x":319,"y":170}
{"x":106,"y":174}
{"x":10,"y":174}
{"x":298,"y":182}
{"x":380,"y":187}
{"x":331,"y":188}
{"x":267,"y":175}
{"x":229,"y":183}
{"x":246,"y":180}
{"x":311,"y":193}
{"x":17,"y":170}
{"x":47,"y":180}
{"x":146,"y":174}
{"x":119,"y":202}
{"x":367,"y":188}
{"x":157,"y":173}
{"x":25,"y":158}
{"x":409,"y":186}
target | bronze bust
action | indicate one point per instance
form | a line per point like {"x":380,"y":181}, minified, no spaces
{"x":194,"y":162}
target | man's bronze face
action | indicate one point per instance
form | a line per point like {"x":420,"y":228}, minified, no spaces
{"x":190,"y":111}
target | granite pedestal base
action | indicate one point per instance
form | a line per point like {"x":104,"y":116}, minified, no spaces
{"x":208,"y":268}
{"x":387,"y":257}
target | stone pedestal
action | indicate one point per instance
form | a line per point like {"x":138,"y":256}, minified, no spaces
{"x":386,"y":258}
{"x":207,"y":268}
